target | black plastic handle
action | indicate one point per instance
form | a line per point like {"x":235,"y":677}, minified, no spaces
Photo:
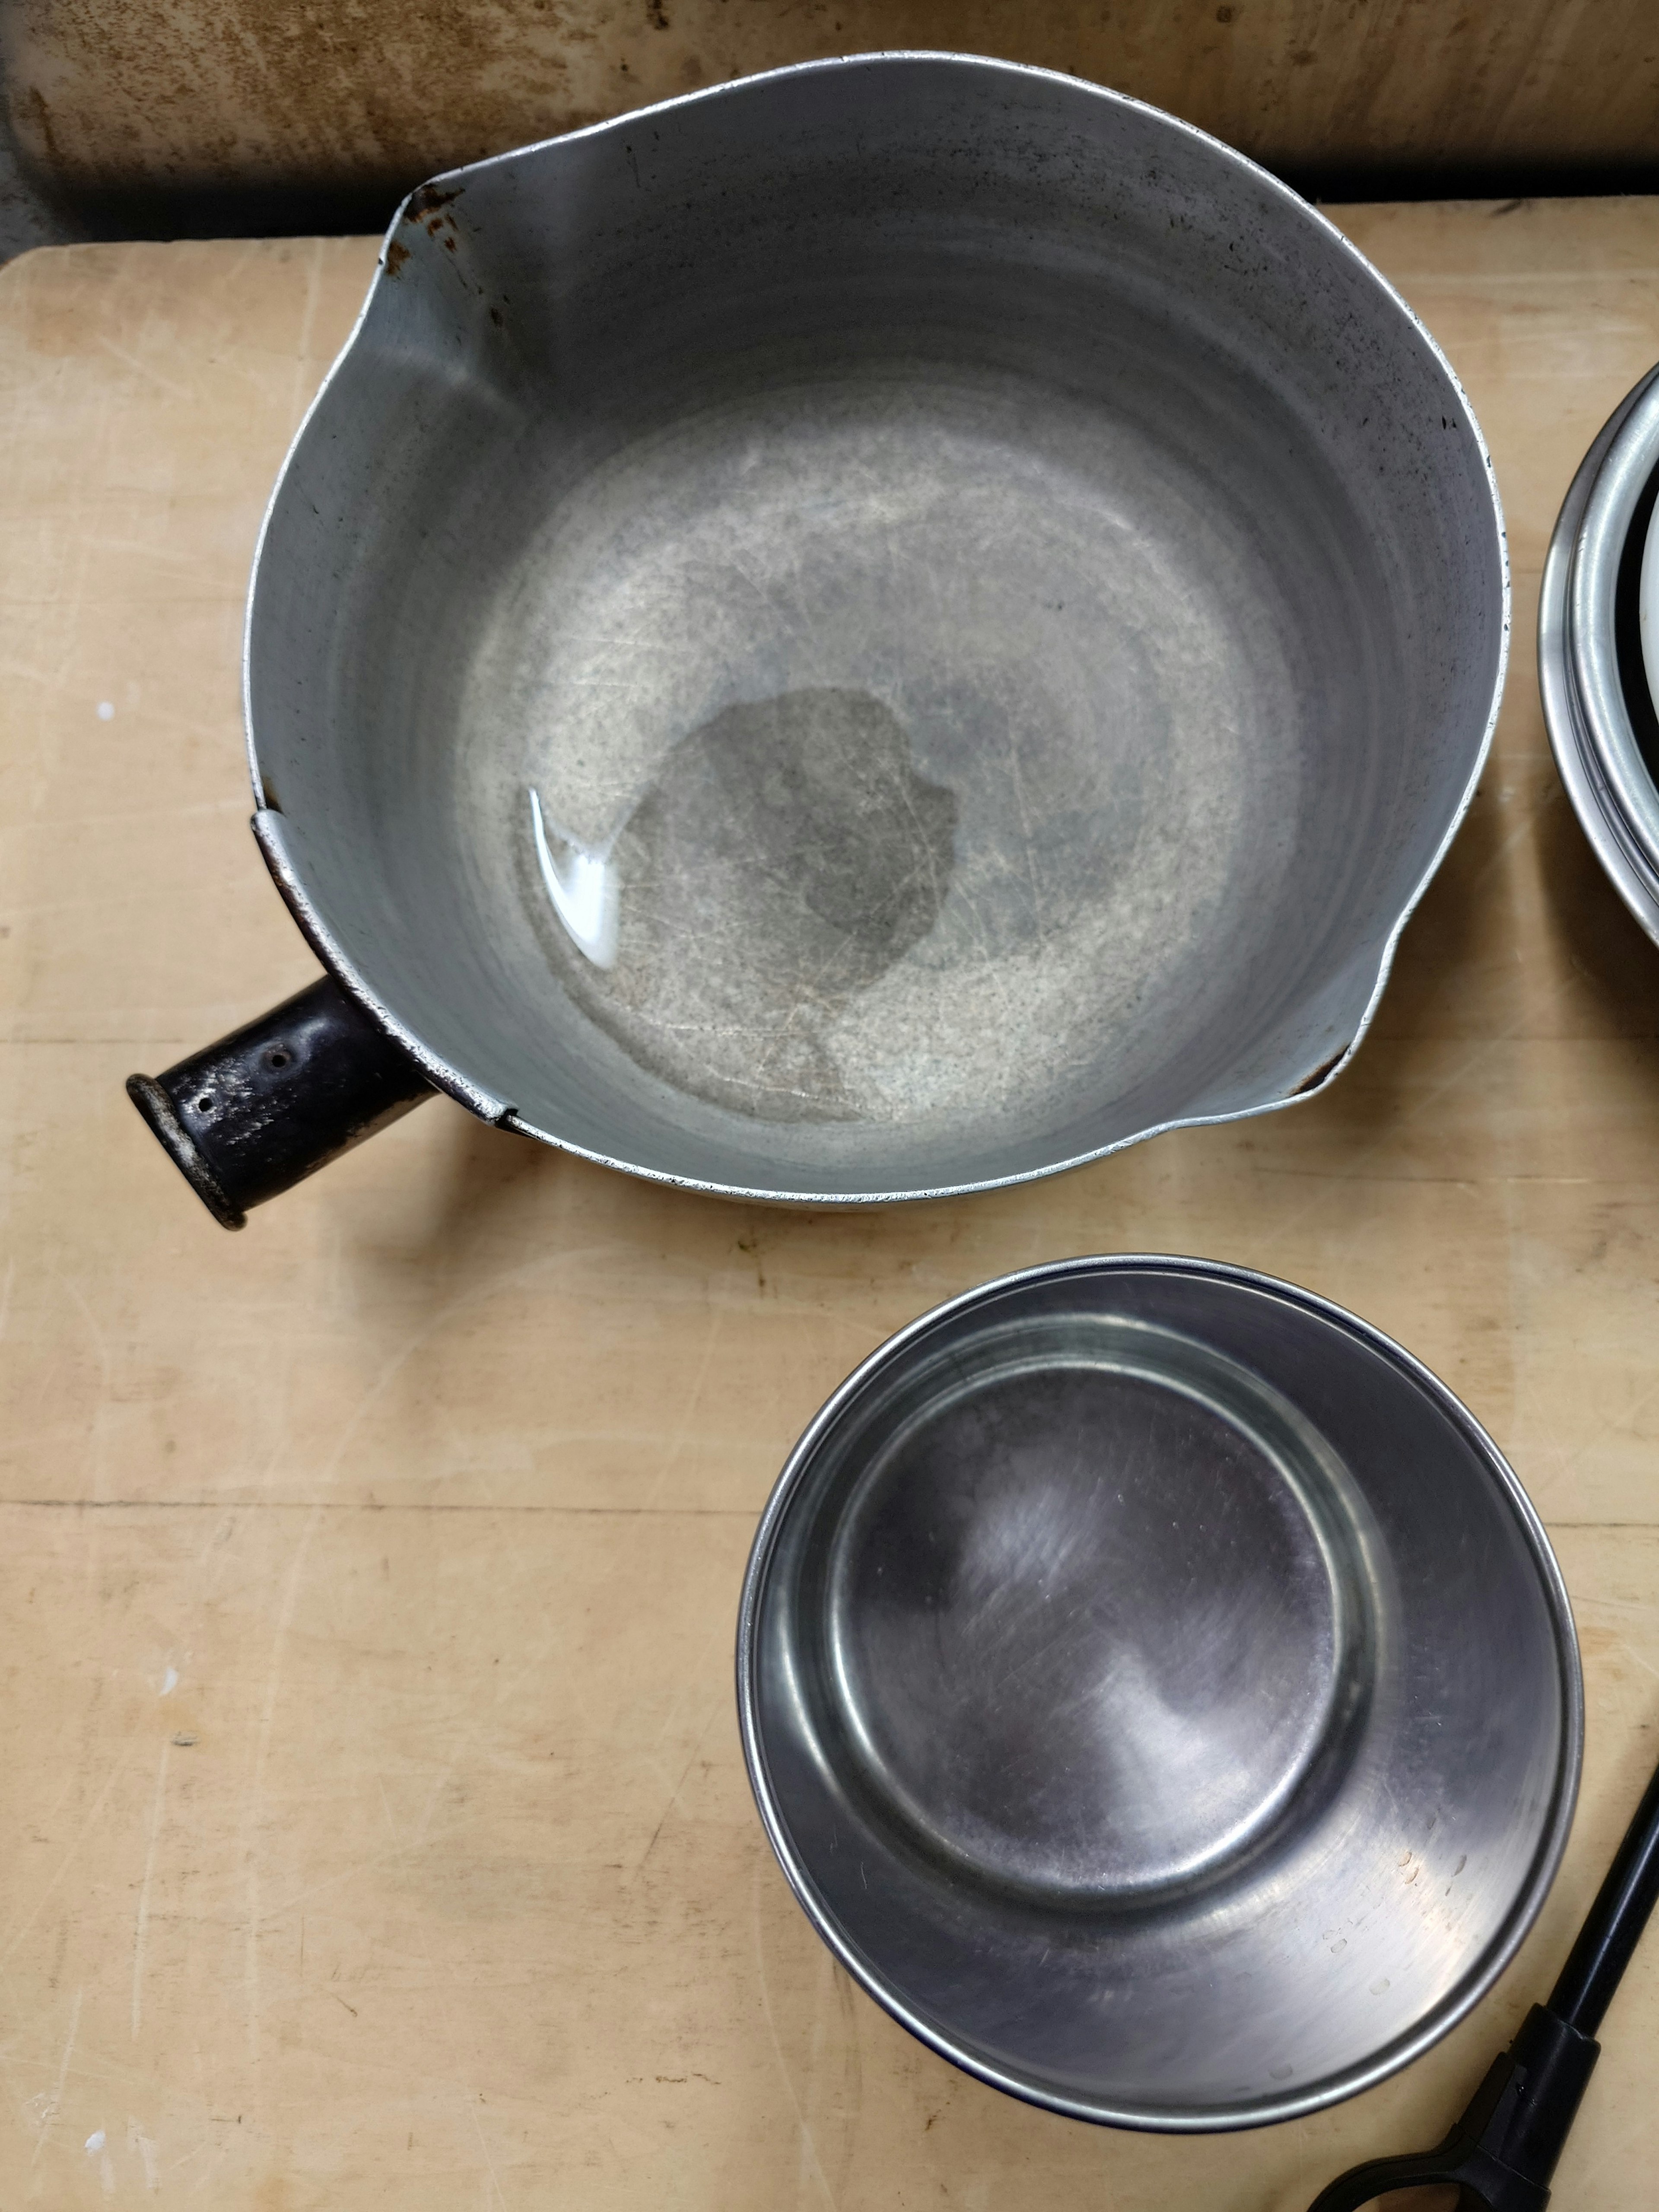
{"x":1614,"y":1923}
{"x":1503,"y":2150}
{"x":269,"y":1104}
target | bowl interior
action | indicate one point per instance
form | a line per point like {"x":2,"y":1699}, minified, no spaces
{"x":886,"y":628}
{"x":1160,"y":1692}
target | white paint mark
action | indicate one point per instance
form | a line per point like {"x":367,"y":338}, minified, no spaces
{"x":169,"y":1682}
{"x":141,"y":1928}
{"x":94,"y":2143}
{"x":106,"y":2173}
{"x":106,"y":710}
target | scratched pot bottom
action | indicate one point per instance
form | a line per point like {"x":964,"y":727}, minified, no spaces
{"x":888,"y":748}
{"x":1098,"y":1626}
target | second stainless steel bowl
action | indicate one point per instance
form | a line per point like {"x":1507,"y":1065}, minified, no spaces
{"x":1159,"y":1693}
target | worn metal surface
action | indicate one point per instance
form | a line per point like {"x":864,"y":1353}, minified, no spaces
{"x":888,"y":630}
{"x":1159,"y":1693}
{"x":1586,"y":664}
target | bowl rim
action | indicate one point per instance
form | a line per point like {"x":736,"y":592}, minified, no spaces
{"x":1523,"y":1909}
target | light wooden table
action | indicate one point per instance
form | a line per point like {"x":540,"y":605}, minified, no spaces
{"x":375,"y":1828}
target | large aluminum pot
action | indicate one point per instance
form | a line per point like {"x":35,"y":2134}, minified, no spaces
{"x":884,"y":629}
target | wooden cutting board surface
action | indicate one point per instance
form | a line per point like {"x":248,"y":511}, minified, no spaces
{"x":375,"y":1832}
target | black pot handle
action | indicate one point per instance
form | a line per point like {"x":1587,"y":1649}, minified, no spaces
{"x":271,"y":1103}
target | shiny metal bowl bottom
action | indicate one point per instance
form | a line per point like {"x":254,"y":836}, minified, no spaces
{"x":1159,"y":1693}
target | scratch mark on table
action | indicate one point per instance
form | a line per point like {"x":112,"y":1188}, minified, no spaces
{"x":145,"y":368}
{"x":262,"y":1752}
{"x":218,"y":2161}
{"x":430,"y":1807}
{"x":716,"y":1707}
{"x":390,"y":1367}
{"x":305,"y":374}
{"x":718,"y":1637}
{"x":1365,"y":1156}
{"x":810,"y":2148}
{"x":57,"y":2099}
{"x":140,"y":1926}
{"x":278,"y":1912}
{"x":100,"y":1342}
{"x":139,"y":2140}
{"x":477,"y":2129}
{"x":385,"y":1807}
{"x":694,"y":1399}
{"x":64,"y":1864}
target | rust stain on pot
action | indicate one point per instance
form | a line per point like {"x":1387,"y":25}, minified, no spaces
{"x":395,"y":254}
{"x":1312,"y":1082}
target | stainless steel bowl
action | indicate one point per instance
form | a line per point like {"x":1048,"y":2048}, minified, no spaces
{"x":1159,"y":1691}
{"x":1598,"y":703}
